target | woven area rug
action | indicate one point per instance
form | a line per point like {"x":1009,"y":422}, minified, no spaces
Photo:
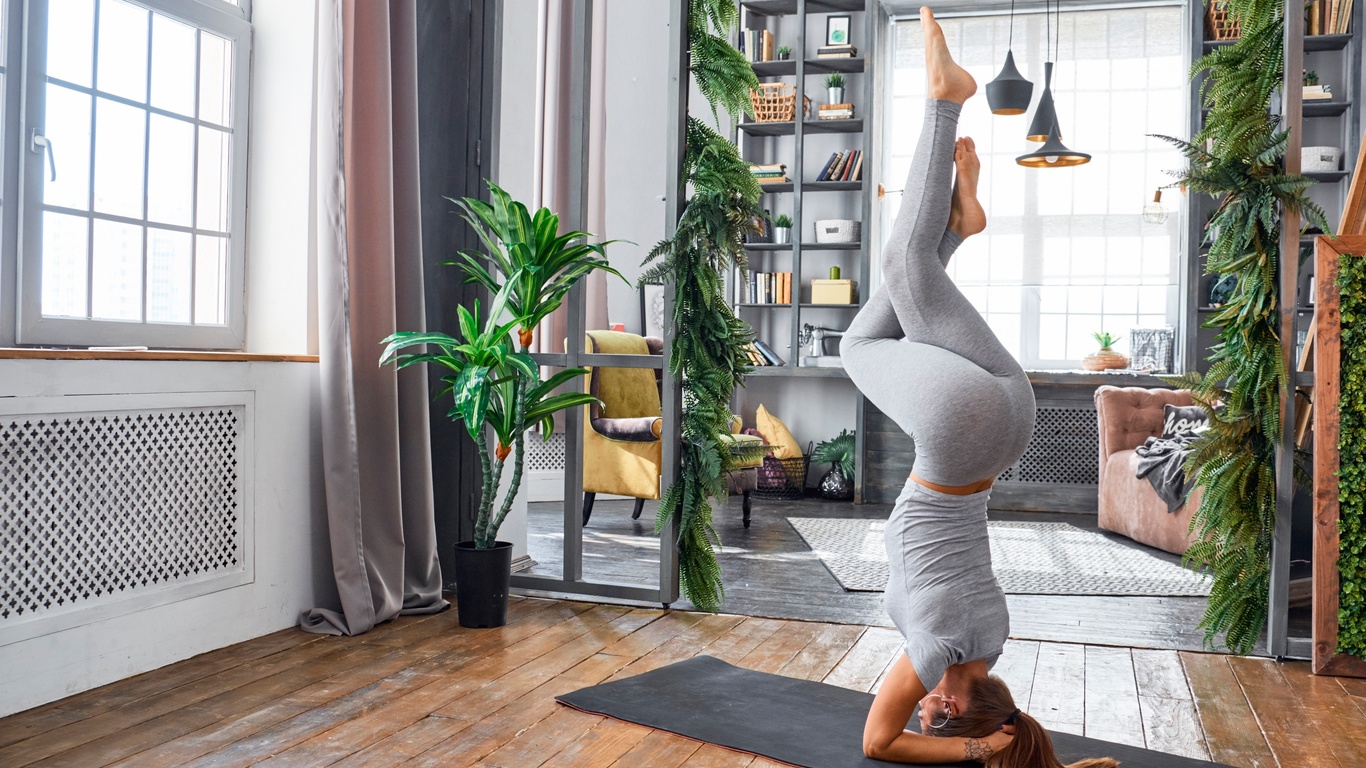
{"x":1029,"y":559}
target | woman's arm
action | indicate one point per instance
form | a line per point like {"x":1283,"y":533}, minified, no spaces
{"x":885,"y":736}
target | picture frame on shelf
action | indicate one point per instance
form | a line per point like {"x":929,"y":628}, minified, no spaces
{"x":837,"y":29}
{"x":652,"y":310}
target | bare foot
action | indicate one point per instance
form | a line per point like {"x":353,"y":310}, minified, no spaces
{"x":948,"y":81}
{"x":966,"y":216}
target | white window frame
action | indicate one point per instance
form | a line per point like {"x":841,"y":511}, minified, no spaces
{"x":1030,"y":312}
{"x":32,"y":328}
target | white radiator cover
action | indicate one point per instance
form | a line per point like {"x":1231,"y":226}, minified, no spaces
{"x":120,"y":502}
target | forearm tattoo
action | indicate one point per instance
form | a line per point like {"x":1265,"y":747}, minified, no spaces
{"x":977,"y":749}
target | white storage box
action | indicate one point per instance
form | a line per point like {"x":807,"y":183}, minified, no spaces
{"x":1316,"y":159}
{"x":837,"y":231}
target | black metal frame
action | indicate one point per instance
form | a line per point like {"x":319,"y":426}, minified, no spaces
{"x":571,"y":580}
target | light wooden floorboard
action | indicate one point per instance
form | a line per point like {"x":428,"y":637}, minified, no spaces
{"x":422,"y":691}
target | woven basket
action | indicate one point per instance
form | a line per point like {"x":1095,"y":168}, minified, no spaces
{"x":1104,"y":360}
{"x":1219,"y":23}
{"x":776,"y":103}
{"x":782,"y":478}
{"x":1319,"y":159}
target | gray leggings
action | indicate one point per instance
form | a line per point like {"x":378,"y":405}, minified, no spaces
{"x":921,"y":352}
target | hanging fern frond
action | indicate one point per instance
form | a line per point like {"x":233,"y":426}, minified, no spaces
{"x":708,"y":355}
{"x":1237,"y":158}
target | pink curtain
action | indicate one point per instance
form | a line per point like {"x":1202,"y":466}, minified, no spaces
{"x":376,"y":452}
{"x":553,"y":154}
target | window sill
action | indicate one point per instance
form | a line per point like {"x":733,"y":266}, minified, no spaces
{"x":1094,"y":378}
{"x":17,"y":353}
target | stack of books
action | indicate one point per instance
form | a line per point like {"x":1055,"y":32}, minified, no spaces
{"x":843,"y":166}
{"x":1328,"y":17}
{"x":836,"y":52}
{"x":762,"y":354}
{"x":773,"y":173}
{"x":757,"y":45}
{"x":767,"y":288}
{"x":843,"y":111}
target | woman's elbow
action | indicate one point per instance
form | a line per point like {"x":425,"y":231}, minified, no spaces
{"x":875,"y":748}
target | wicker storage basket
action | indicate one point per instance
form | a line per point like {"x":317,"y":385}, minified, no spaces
{"x":776,"y":103}
{"x":837,"y":231}
{"x":782,"y":478}
{"x":1219,"y":23}
{"x":1104,"y":360}
{"x":1319,"y":159}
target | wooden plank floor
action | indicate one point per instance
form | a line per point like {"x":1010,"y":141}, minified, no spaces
{"x":421,"y":691}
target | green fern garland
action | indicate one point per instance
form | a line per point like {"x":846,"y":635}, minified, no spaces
{"x":1352,"y":471}
{"x":708,"y":354}
{"x":1237,"y":159}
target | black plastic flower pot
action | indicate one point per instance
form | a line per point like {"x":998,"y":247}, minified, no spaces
{"x":481,"y":584}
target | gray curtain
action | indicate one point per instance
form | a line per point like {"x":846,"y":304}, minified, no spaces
{"x":376,"y":452}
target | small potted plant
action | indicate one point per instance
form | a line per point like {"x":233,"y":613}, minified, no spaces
{"x":838,"y":483}
{"x":834,"y":87}
{"x":1105,"y":358}
{"x":784,"y":53}
{"x":782,"y":229}
{"x":498,"y":389}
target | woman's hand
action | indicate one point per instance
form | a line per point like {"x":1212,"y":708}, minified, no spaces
{"x":981,"y":749}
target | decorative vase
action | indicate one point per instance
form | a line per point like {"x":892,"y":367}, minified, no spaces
{"x":836,"y":95}
{"x":835,"y":486}
{"x":782,"y":235}
{"x":482,"y":578}
{"x":1104,"y":360}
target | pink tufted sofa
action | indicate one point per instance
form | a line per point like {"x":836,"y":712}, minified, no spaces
{"x":1126,"y":416}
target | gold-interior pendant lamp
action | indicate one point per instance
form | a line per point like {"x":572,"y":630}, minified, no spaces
{"x":1044,"y":127}
{"x":1010,"y":92}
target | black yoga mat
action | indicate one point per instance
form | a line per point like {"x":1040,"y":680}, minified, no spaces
{"x":799,"y":722}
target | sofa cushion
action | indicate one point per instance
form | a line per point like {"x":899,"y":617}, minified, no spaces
{"x":776,"y":434}
{"x":734,"y":441}
{"x":1183,"y":419}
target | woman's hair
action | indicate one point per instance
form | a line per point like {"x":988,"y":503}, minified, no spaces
{"x":992,"y":705}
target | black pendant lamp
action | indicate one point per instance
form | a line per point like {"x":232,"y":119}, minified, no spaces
{"x":1010,"y":92}
{"x":1052,"y":154}
{"x":1045,"y":116}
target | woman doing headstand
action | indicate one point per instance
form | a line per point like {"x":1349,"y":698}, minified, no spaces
{"x":926,"y":358}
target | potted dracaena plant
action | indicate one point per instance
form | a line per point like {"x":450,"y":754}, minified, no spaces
{"x":495,"y":387}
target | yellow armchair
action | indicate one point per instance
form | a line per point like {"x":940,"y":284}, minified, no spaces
{"x":622,"y":449}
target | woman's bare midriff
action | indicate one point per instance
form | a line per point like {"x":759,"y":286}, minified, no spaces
{"x":955,"y":490}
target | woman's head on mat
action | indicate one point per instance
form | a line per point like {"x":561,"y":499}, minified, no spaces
{"x":988,"y":708}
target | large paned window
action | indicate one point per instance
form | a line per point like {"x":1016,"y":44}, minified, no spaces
{"x":1066,"y":252}
{"x":133,"y":154}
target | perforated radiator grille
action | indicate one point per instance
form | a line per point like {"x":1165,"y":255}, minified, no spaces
{"x":545,"y":455}
{"x":1063,"y":451}
{"x":97,"y":506}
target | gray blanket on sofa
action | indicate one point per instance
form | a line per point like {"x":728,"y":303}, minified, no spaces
{"x":1162,"y":461}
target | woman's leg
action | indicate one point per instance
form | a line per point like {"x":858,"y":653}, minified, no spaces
{"x":949,"y":383}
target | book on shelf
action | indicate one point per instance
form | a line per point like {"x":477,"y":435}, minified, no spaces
{"x":843,"y":166}
{"x":1328,"y":17}
{"x":757,"y":45}
{"x":767,"y":288}
{"x":768,"y":353}
{"x":835,"y":114}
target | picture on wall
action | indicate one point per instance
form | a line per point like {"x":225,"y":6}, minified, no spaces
{"x":652,"y":310}
{"x":837,"y":30}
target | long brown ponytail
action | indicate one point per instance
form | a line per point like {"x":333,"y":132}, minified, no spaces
{"x":992,"y":705}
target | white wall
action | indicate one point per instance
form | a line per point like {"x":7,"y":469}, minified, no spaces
{"x":292,"y":562}
{"x":292,"y":567}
